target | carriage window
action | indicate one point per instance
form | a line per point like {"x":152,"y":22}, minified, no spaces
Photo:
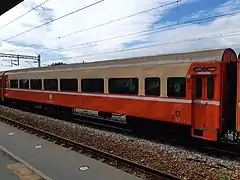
{"x":68,"y":84}
{"x":152,"y":86}
{"x":92,"y":85}
{"x":176,"y":87}
{"x":0,"y":83}
{"x":123,"y":85}
{"x":7,"y":83}
{"x":210,"y":88}
{"x":13,"y":83}
{"x":36,"y":84}
{"x":199,"y":88}
{"x":24,"y":84}
{"x":51,"y":84}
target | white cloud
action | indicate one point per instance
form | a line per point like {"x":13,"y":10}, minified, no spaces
{"x":103,"y":12}
{"x":228,"y":6}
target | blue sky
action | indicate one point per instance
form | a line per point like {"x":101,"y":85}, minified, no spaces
{"x":187,"y":10}
{"x":42,"y":40}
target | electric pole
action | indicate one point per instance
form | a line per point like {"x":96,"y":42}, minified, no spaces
{"x":15,"y":58}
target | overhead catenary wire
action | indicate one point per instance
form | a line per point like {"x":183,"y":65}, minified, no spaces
{"x":160,"y":28}
{"x":61,"y":17}
{"x":156,"y":45}
{"x":157,"y":29}
{"x":119,"y":19}
{"x":17,"y":18}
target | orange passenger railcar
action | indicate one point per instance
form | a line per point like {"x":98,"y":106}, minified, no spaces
{"x":196,"y":89}
{"x":3,"y":83}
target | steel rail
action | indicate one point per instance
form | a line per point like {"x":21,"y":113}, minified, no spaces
{"x":153,"y":172}
{"x":232,"y":150}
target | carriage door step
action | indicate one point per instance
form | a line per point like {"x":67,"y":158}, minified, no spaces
{"x":198,"y":132}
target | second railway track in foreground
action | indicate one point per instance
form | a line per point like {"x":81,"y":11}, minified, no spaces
{"x":94,"y":153}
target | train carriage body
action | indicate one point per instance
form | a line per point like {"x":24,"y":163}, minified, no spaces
{"x":1,"y":86}
{"x":3,"y":83}
{"x":195,"y":89}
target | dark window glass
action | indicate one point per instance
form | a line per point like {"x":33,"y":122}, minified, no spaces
{"x":24,"y":84}
{"x":152,"y":86}
{"x":6,"y":83}
{"x":36,"y":84}
{"x":51,"y":84}
{"x":210,"y":88}
{"x":92,"y":85}
{"x":199,"y":88}
{"x":68,"y":84}
{"x":0,"y":83}
{"x":13,"y":83}
{"x":176,"y":87}
{"x":123,"y":85}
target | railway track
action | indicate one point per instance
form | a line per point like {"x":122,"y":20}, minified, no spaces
{"x":230,"y":150}
{"x":225,"y":149}
{"x":94,"y":153}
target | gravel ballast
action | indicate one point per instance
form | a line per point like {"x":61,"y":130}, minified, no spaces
{"x":177,"y":161}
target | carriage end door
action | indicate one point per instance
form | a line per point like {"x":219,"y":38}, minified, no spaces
{"x":204,"y":107}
